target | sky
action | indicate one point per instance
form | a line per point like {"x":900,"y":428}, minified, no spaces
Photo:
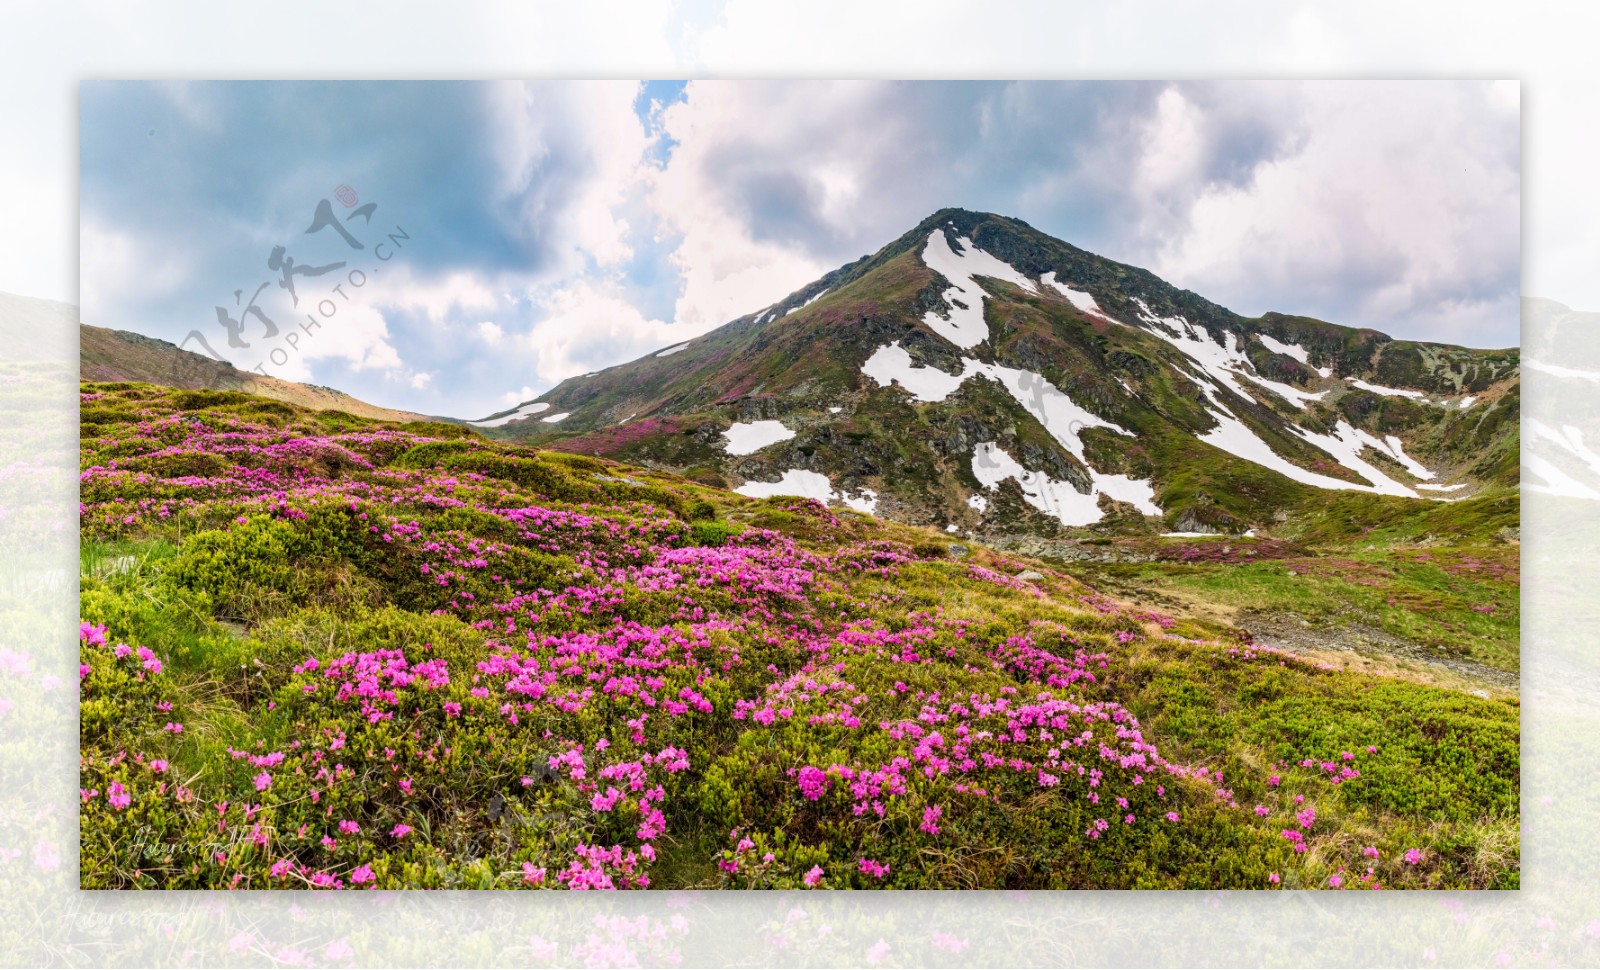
{"x":481,"y":241}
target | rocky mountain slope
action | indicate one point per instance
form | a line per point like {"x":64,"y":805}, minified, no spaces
{"x":980,"y":376}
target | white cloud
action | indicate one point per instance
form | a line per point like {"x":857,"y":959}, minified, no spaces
{"x":1287,"y":196}
{"x":570,"y":154}
{"x":1174,"y":144}
{"x":117,"y":272}
{"x":588,"y":326}
{"x":490,"y":333}
{"x":439,"y":298}
{"x":356,"y":334}
{"x":819,"y":152}
{"x":1400,"y":202}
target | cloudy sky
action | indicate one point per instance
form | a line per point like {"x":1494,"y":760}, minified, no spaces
{"x":543,"y":230}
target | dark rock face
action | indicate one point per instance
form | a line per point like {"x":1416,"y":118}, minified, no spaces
{"x":929,"y":350}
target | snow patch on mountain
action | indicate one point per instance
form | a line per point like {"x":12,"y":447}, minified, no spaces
{"x":1288,"y":350}
{"x":552,"y":419}
{"x":747,"y":438}
{"x":965,"y":327}
{"x":796,"y":481}
{"x":1225,"y":364}
{"x":808,"y":484}
{"x":1395,"y":448}
{"x":808,"y":302}
{"x":523,"y":411}
{"x":1077,"y":298}
{"x":1344,"y":446}
{"x":891,"y":364}
{"x":1386,"y":391}
{"x":1292,"y":350}
{"x":991,"y":465}
{"x":867,"y":501}
{"x":672,"y":350}
{"x":1063,"y":417}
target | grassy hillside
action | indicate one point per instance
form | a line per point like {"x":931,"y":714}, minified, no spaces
{"x":120,"y":355}
{"x":1435,"y":589}
{"x":323,"y":650}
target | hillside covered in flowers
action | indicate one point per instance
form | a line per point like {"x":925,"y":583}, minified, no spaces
{"x":324,"y":651}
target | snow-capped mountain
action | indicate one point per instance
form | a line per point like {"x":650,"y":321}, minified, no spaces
{"x":979,"y":375}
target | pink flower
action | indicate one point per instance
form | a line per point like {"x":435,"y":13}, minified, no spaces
{"x":158,"y":766}
{"x":930,"y":819}
{"x":400,"y":831}
{"x":118,"y":796}
{"x":282,"y":868}
{"x":348,"y":827}
{"x":1172,"y":816}
{"x":1413,"y":856}
{"x":531,"y":874}
{"x":873,"y":867}
{"x":362,"y":874}
{"x":813,"y":782}
{"x":1335,"y":881}
{"x":1273,"y":878}
{"x":1371,"y":852}
{"x":263,"y":781}
{"x":814,"y":876}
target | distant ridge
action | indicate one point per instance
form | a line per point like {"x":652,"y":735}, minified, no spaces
{"x":120,"y":355}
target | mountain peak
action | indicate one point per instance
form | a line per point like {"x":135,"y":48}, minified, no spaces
{"x":980,"y":375}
